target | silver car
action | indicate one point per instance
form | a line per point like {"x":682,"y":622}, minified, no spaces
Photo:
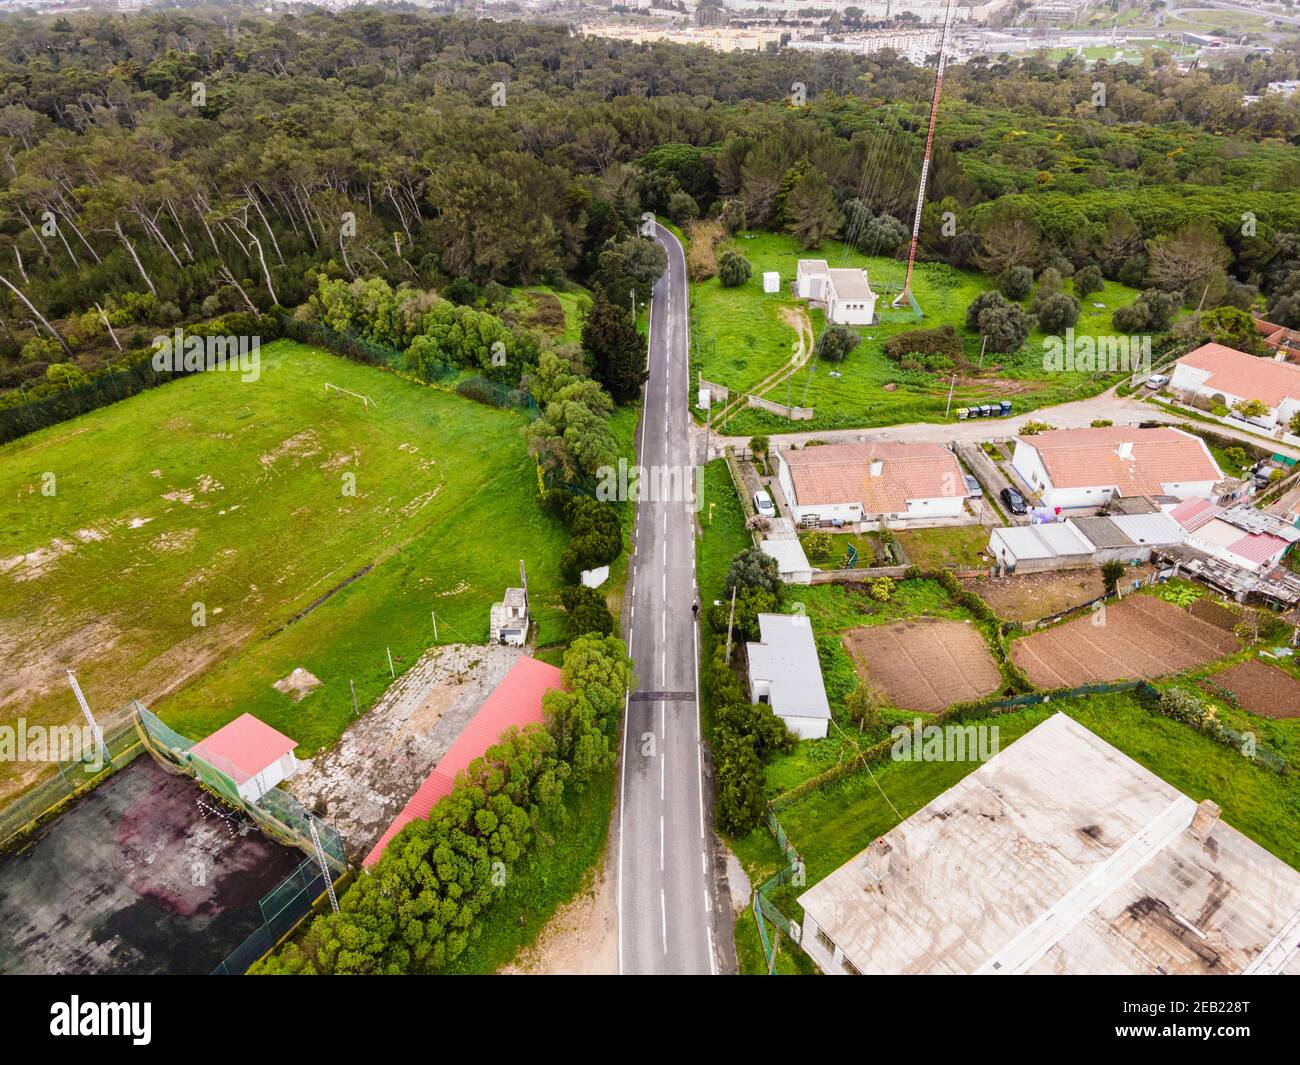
{"x":764,"y":505}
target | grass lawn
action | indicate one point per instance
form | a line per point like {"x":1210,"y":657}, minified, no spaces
{"x":721,"y":536}
{"x":956,"y":546}
{"x":234,"y":495}
{"x":740,"y":337}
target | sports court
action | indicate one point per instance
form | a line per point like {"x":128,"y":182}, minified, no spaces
{"x":142,"y":875}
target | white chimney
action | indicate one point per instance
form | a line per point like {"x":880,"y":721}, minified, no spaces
{"x":878,"y":858}
{"x":1205,"y":818}
{"x":877,"y":467}
{"x":1126,"y":449}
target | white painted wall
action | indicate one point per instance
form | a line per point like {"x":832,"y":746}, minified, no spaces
{"x":806,"y":728}
{"x":258,"y":785}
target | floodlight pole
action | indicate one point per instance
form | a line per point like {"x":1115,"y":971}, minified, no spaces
{"x":324,"y":866}
{"x":90,"y":718}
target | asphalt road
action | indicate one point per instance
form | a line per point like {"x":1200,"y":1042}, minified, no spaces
{"x":671,"y":912}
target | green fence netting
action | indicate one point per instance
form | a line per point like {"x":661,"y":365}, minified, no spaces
{"x":71,"y":776}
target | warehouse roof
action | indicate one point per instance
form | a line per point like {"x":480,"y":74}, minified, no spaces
{"x":789,"y":555}
{"x":1102,"y":533}
{"x":786,"y":658}
{"x":1062,"y":855}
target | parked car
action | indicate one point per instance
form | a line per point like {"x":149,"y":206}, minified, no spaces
{"x":1015,"y":501}
{"x":973,"y":489}
{"x":1157,"y":381}
{"x":764,"y":505}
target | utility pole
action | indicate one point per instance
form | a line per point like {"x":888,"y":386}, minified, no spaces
{"x":984,"y":343}
{"x":950,"y":388}
{"x":434,"y":615}
{"x":730,"y":618}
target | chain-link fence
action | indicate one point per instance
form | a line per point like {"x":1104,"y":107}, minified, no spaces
{"x":277,"y":813}
{"x":282,"y":908}
{"x":70,"y":777}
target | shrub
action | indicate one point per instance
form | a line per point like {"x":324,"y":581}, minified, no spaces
{"x":587,"y":612}
{"x":1016,"y":283}
{"x":1111,"y":573}
{"x":1087,"y":281}
{"x":818,"y":544}
{"x":837,"y":342}
{"x":1056,"y":312}
{"x":941,"y":341}
{"x":733,"y":269}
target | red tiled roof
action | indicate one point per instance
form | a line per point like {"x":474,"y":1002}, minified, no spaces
{"x":516,"y":701}
{"x":841,"y":473}
{"x":1250,"y":376}
{"x":244,"y":747}
{"x":1087,"y":458}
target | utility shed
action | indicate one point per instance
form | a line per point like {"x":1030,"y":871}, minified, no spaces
{"x":1031,"y":548}
{"x":1059,"y":855}
{"x":789,"y":554}
{"x":785,"y":673}
{"x":251,"y":753}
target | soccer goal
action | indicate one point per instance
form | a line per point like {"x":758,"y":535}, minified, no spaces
{"x":366,"y":401}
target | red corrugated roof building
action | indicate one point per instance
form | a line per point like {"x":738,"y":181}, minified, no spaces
{"x":516,"y":701}
{"x":249,"y":751}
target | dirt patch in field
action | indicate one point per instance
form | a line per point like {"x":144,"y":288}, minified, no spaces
{"x":924,"y":665}
{"x":298,"y":684}
{"x":1031,"y":596}
{"x":1137,"y":638}
{"x":1260,"y":688}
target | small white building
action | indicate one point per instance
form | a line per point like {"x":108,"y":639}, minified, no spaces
{"x":508,"y":620}
{"x":1219,"y":374}
{"x":1074,"y":468}
{"x":785,"y":673}
{"x":866,"y":481}
{"x":253,"y":754}
{"x":771,"y":281}
{"x":846,"y":293}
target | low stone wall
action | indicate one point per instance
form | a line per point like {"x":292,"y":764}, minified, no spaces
{"x":794,"y":414}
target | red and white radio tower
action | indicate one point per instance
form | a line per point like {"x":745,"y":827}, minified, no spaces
{"x":929,"y":147}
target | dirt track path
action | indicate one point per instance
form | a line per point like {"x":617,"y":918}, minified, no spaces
{"x":797,"y":319}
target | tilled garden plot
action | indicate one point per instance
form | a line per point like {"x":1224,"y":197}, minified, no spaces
{"x":924,"y":664}
{"x":1137,"y":638}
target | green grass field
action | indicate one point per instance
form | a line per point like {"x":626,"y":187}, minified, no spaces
{"x":740,"y":338}
{"x":233,"y":495}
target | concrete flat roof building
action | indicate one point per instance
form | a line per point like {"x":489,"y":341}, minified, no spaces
{"x":1060,"y":855}
{"x":785,"y":673}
